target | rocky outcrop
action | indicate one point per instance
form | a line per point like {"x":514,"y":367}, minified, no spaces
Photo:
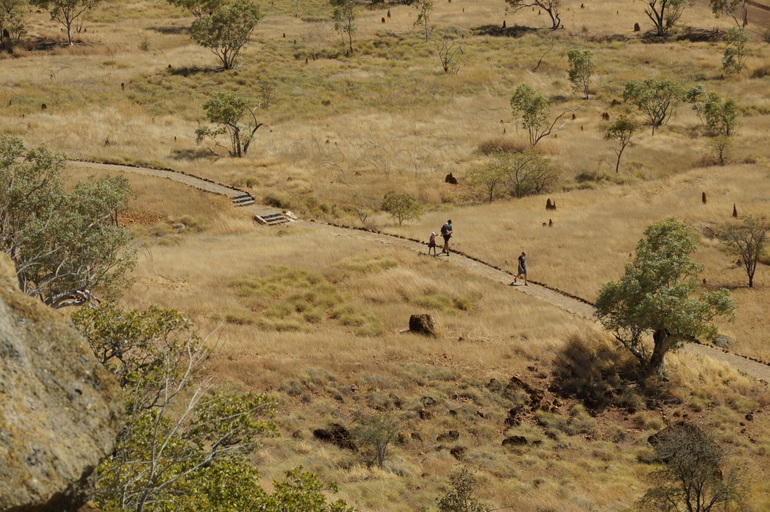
{"x":60,"y":410}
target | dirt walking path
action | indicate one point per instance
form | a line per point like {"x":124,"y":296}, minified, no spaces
{"x":554,"y":297}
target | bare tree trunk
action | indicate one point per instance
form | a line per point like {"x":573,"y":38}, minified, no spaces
{"x":662,"y":344}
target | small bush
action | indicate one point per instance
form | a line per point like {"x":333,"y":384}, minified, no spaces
{"x":368,"y":263}
{"x":277,"y":201}
{"x":246,"y":182}
{"x":443,"y":302}
{"x":367,"y":322}
{"x":374,"y":435}
{"x":501,"y":145}
{"x":240,"y":317}
{"x":578,"y":422}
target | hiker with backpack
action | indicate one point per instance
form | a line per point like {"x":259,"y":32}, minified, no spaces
{"x":446,"y":232}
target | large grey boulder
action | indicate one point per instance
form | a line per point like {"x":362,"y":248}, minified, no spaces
{"x":60,"y":410}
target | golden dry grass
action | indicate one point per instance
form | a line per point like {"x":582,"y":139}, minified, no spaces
{"x":394,"y":120}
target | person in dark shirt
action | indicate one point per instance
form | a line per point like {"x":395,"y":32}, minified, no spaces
{"x":446,"y":232}
{"x":522,"y":269}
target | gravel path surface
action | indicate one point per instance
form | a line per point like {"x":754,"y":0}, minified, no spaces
{"x":572,"y":305}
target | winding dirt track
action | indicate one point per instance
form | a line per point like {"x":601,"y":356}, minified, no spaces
{"x":578,"y":307}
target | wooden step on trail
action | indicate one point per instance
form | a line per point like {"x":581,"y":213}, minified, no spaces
{"x":272,"y":219}
{"x":243,"y":200}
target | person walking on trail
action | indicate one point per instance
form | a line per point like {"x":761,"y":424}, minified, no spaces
{"x":522,"y":269}
{"x":446,"y":232}
{"x":432,"y":243}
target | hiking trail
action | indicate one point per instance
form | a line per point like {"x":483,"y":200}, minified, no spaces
{"x":571,"y":304}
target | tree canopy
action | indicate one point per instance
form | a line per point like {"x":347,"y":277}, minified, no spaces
{"x":344,"y":21}
{"x":621,"y":130}
{"x":692,"y":475}
{"x":185,"y":446}
{"x":66,"y":11}
{"x":665,"y":13}
{"x":747,"y":240}
{"x":581,"y":68}
{"x":551,"y":7}
{"x":657,"y":99}
{"x":657,"y":294}
{"x":11,"y":23}
{"x":719,"y":116}
{"x":226,"y":109}
{"x":515,"y":174}
{"x":66,"y":245}
{"x":534,"y":110}
{"x":401,"y":206}
{"x":226,"y":30}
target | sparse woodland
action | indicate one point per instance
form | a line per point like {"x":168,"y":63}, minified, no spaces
{"x":515,"y":403}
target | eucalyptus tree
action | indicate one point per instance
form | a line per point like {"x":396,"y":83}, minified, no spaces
{"x":66,"y":245}
{"x":66,"y":12}
{"x":659,"y":294}
{"x":226,"y":30}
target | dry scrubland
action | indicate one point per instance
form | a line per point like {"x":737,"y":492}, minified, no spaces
{"x":317,"y":322}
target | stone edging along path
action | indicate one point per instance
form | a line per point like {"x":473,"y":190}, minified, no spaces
{"x":569,"y":303}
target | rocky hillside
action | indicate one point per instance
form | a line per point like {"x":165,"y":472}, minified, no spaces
{"x":60,"y":410}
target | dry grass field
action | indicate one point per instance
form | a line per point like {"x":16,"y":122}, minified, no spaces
{"x":318,"y":321}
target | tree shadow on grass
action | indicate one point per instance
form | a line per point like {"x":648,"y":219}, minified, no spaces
{"x":171,"y":30}
{"x":194,"y":154}
{"x":498,"y":31}
{"x":600,"y":373}
{"x":185,"y":71}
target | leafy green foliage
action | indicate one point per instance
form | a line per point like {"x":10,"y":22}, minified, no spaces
{"x":736,"y":53}
{"x":66,"y":11}
{"x":303,"y":492}
{"x":656,"y":294}
{"x":533,"y":109}
{"x":720,"y":117}
{"x":730,"y":8}
{"x":177,"y":429}
{"x":65,"y":245}
{"x":692,"y":475}
{"x":146,"y":350}
{"x":226,"y":30}
{"x":657,"y":99}
{"x":515,"y":174}
{"x":374,"y":433}
{"x":226,"y":109}
{"x":424,"y":10}
{"x":11,"y":23}
{"x":184,"y":446}
{"x":581,"y":68}
{"x":621,"y":130}
{"x":551,"y":7}
{"x":344,"y":21}
{"x":460,"y":497}
{"x":401,"y":206}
